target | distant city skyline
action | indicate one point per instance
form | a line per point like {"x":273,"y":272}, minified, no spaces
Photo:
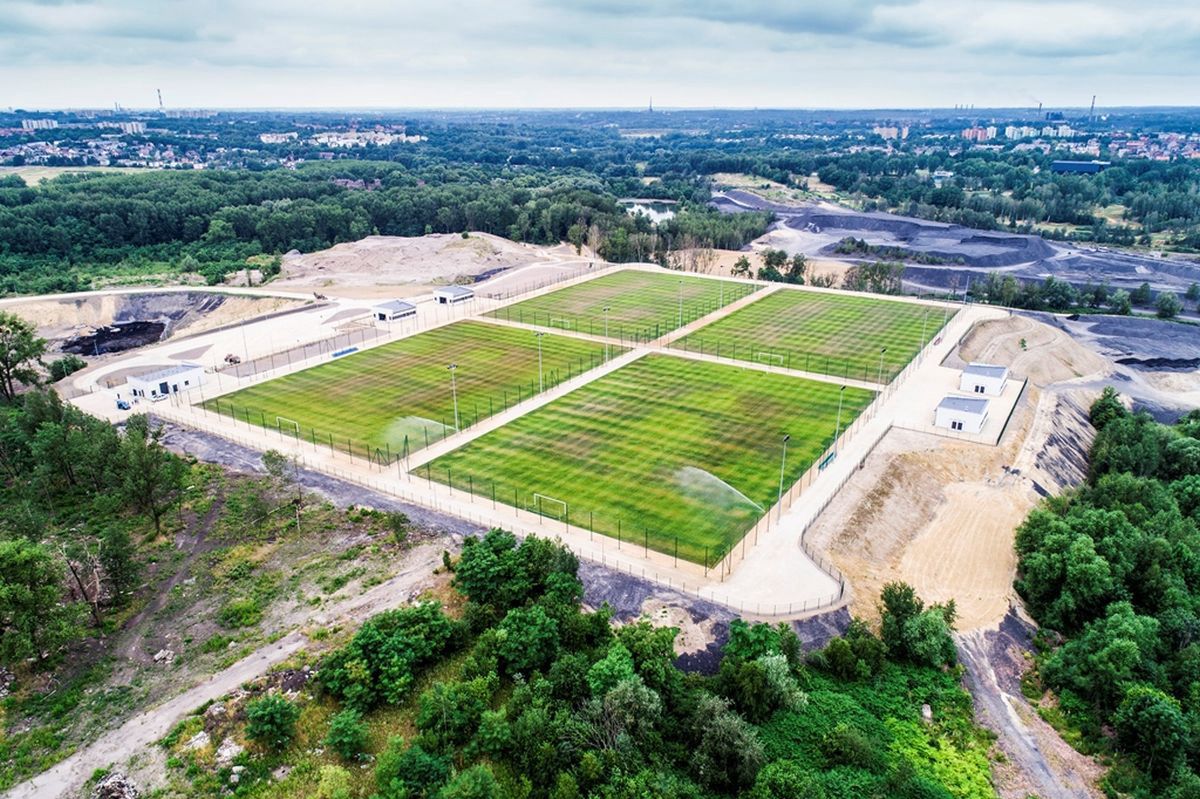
{"x":892,"y":54}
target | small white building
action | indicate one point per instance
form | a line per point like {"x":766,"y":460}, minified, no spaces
{"x":961,"y":414}
{"x":165,"y":382}
{"x":393,"y":310}
{"x":983,"y":378}
{"x":452,"y":295}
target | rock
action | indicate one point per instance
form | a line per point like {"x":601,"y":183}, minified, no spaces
{"x":228,"y":750}
{"x":214,"y":711}
{"x":281,"y":772}
{"x":199,"y":741}
{"x":927,"y":714}
{"x":115,"y":786}
{"x":165,"y":656}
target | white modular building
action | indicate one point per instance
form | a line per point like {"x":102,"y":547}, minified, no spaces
{"x":165,"y":382}
{"x":393,"y":310}
{"x":961,"y":414}
{"x":983,"y":378}
{"x":452,"y":295}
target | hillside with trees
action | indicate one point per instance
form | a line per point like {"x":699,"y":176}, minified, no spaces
{"x":511,"y":689}
{"x":1112,"y":573}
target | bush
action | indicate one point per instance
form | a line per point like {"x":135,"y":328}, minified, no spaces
{"x":347,"y":734}
{"x":334,"y":783}
{"x":477,"y":782}
{"x":271,"y":721}
{"x":410,"y":773}
{"x":64,"y":366}
{"x":240,"y":612}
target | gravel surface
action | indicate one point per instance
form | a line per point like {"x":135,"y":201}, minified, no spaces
{"x":816,"y":228}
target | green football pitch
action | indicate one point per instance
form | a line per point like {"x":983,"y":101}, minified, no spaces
{"x":676,"y":454}
{"x":642,"y":305}
{"x":383,"y":400}
{"x":826,"y":333}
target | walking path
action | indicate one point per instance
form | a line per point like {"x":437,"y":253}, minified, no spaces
{"x":148,"y":727}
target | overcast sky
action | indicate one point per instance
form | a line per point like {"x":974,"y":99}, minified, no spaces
{"x":555,"y":53}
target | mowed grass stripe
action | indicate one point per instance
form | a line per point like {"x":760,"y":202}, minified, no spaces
{"x":826,"y":333}
{"x":666,"y":446}
{"x":643,"y":305}
{"x":373,"y":399}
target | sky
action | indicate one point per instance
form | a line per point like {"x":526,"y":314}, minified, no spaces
{"x":598,"y":53}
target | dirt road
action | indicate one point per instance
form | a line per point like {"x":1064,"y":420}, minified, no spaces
{"x":144,"y":729}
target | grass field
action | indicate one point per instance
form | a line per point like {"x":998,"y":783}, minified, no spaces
{"x":374,"y":399}
{"x":667,"y":450}
{"x":643,"y":305}
{"x":826,"y":333}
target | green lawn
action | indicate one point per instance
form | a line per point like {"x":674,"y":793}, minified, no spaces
{"x":643,"y":305}
{"x":375,"y":399}
{"x":827,"y":333}
{"x":684,"y":452}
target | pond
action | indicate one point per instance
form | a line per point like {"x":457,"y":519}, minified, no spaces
{"x":656,"y":210}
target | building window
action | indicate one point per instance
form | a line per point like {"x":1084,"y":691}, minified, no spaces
{"x":956,"y":425}
{"x":979,"y":389}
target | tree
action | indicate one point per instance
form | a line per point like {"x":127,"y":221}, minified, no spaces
{"x":1141,"y":295}
{"x":614,"y":667}
{"x":409,"y":773}
{"x":1151,"y":727}
{"x":347,"y":734}
{"x":729,"y":753}
{"x":1168,"y":305}
{"x":786,"y":779}
{"x":530,"y":639}
{"x":1121,"y":303}
{"x":1106,"y":408}
{"x":20,"y":350}
{"x":477,"y":782}
{"x":64,"y":366}
{"x":118,"y":557}
{"x":1193,"y":293}
{"x":152,"y":475}
{"x":34,"y":619}
{"x":741,"y":267}
{"x":271,"y":721}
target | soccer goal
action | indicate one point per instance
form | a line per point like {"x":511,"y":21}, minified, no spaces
{"x":547,"y":506}
{"x":769,"y":358}
{"x":562,"y":323}
{"x":282,"y":423}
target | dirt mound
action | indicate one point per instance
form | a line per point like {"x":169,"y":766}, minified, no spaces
{"x":1032,"y":349}
{"x":391,"y":265}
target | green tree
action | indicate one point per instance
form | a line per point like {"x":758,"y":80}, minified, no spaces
{"x":64,"y":366}
{"x":728,"y":754}
{"x":1106,"y":408}
{"x":741,"y":267}
{"x":1151,"y":727}
{"x":35,"y":621}
{"x":118,"y":556}
{"x":152,"y":476}
{"x":477,"y":782}
{"x":409,"y":773}
{"x":1193,"y":292}
{"x":615,"y":667}
{"x":20,"y":350}
{"x":1141,"y":295}
{"x":1168,"y":305}
{"x":1121,"y":303}
{"x":347,"y":734}
{"x":271,"y":721}
{"x":530,"y":639}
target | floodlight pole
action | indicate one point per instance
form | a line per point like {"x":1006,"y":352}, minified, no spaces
{"x":837,"y":433}
{"x":924,"y":323}
{"x":454,"y":393}
{"x":607,"y":308}
{"x":879,"y":378}
{"x":541,"y":379}
{"x":782,"y":467}
{"x":681,"y":302}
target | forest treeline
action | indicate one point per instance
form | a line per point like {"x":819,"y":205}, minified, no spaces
{"x":1112,"y":573}
{"x":63,"y":233}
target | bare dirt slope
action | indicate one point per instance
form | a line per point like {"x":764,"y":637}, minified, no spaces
{"x":380,"y":266}
{"x":941,"y":514}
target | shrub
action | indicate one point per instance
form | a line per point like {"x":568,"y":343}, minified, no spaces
{"x":477,"y":782}
{"x":347,"y":734}
{"x":334,"y":783}
{"x":271,"y":721}
{"x":410,"y":773}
